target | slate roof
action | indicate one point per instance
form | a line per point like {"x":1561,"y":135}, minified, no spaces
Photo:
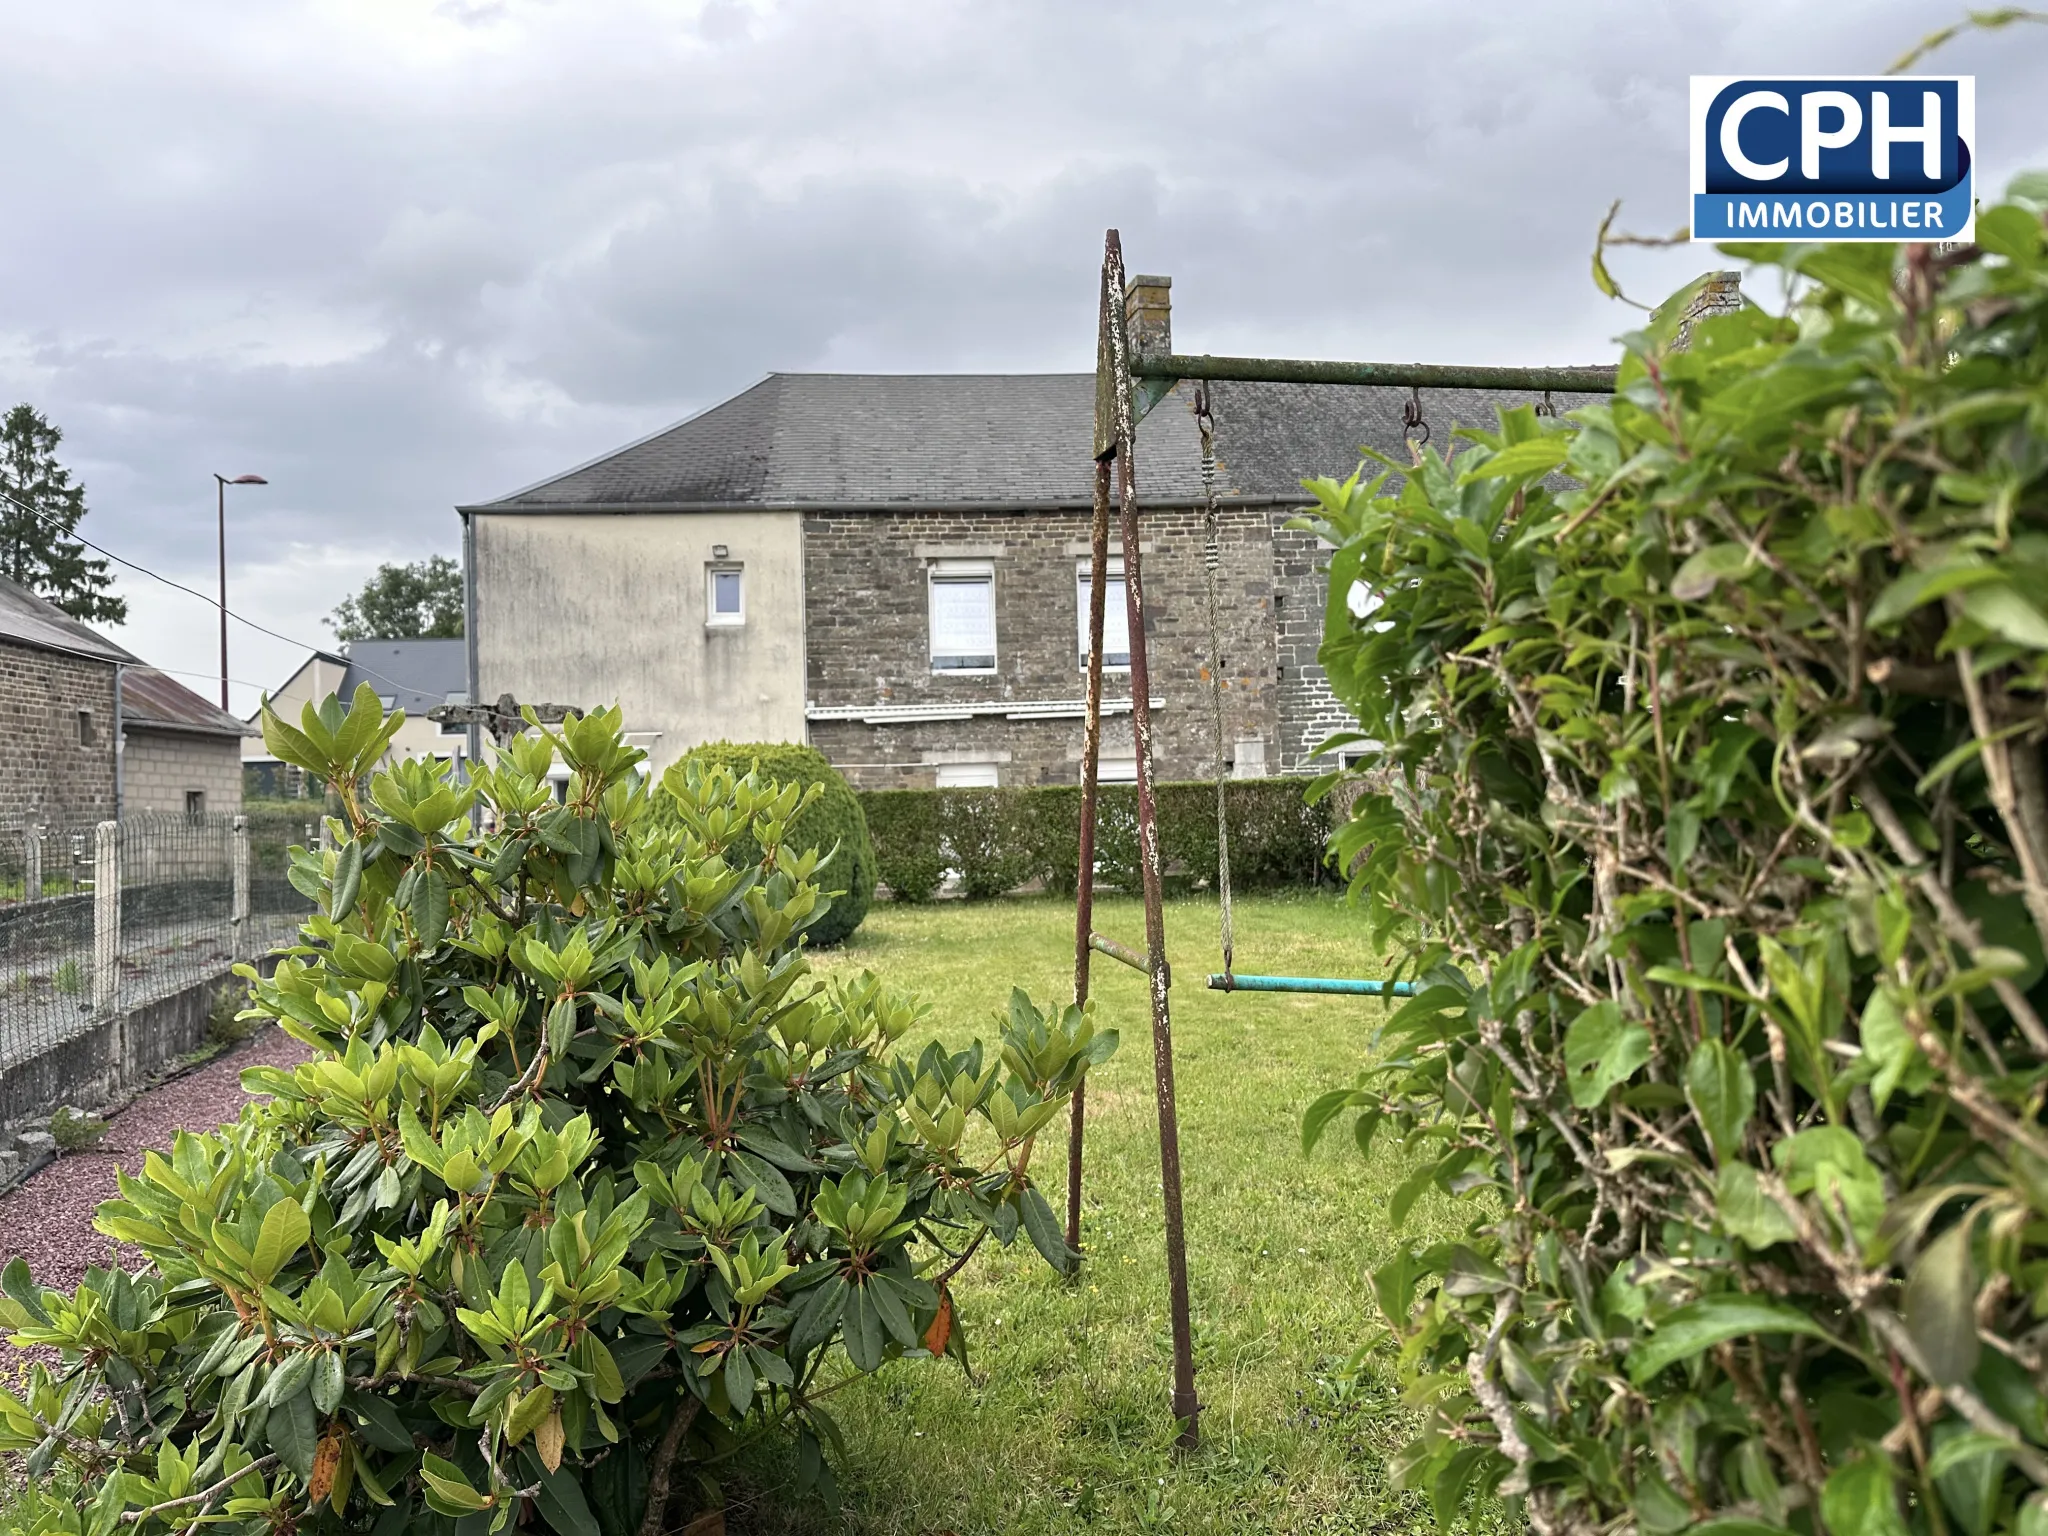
{"x":854,"y":440}
{"x":31,"y":619}
{"x":152,"y":701}
{"x":414,"y":674}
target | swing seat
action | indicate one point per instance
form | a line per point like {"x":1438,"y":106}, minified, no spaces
{"x":1229,"y":982}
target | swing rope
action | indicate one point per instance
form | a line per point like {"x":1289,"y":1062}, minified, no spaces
{"x":1212,"y":560}
{"x":1227,"y":980}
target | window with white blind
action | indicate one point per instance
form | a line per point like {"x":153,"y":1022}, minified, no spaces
{"x":968,"y":776}
{"x":724,"y":596}
{"x":1116,"y":618}
{"x":963,"y":616}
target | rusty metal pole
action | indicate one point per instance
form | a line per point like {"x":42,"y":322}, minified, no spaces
{"x":1186,"y":1407}
{"x":1084,"y":878}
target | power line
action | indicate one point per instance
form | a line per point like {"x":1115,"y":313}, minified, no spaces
{"x":71,"y":533}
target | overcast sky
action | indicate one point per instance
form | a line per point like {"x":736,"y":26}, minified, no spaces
{"x":399,"y":254}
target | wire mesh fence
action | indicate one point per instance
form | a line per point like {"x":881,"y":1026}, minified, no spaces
{"x":99,"y":921}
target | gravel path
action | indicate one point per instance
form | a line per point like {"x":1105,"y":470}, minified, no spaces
{"x":48,"y":1219}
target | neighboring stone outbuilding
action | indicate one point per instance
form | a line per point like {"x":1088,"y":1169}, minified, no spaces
{"x":179,"y":753}
{"x":92,"y":733}
{"x":58,"y":714}
{"x":895,"y":568}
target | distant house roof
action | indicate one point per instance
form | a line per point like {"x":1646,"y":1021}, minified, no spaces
{"x":152,"y":701}
{"x":860,"y":440}
{"x":412,"y":675}
{"x":29,"y":619}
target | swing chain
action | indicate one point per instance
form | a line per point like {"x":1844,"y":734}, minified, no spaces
{"x":1212,"y":560}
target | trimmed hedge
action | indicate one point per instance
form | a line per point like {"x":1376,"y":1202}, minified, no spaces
{"x":836,"y":818}
{"x":999,"y":839}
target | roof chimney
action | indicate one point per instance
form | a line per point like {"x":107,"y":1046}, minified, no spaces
{"x":1148,"y":309}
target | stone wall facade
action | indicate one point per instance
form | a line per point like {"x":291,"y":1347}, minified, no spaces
{"x":57,"y":737}
{"x":867,"y":643}
{"x":1309,"y":711}
{"x":159,"y":769}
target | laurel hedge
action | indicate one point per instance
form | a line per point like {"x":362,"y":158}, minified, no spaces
{"x":999,"y":839}
{"x":1711,"y":805}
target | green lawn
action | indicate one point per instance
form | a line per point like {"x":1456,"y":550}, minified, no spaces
{"x":1069,"y":1430}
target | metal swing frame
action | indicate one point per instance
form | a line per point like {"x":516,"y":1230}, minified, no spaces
{"x":1125,"y":389}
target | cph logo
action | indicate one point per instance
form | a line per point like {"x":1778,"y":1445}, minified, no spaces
{"x":1838,"y":158}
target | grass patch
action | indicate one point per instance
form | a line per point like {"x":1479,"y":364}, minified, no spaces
{"x":1070,"y":1430}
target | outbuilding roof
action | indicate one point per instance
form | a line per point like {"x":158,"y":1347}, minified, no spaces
{"x":859,"y":440}
{"x":150,"y":700}
{"x":31,"y":619}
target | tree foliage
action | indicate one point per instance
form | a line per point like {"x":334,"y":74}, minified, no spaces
{"x":41,"y":507}
{"x":1709,"y":794}
{"x":420,"y":601}
{"x":587,"y":1178}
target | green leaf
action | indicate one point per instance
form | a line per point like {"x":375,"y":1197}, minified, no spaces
{"x":1722,"y":1089}
{"x":1940,"y":1305}
{"x":295,"y":1434}
{"x":348,"y":879}
{"x":285,"y":1229}
{"x":2002,"y":610}
{"x":1698,"y":1326}
{"x":430,"y":908}
{"x":1319,"y":1115}
{"x":19,"y":1284}
{"x":1043,"y":1228}
{"x":1602,"y":1049}
{"x":1708,"y":567}
{"x":1746,"y":1211}
{"x":1916,"y":588}
{"x":561,"y":1500}
{"x":1858,"y":1499}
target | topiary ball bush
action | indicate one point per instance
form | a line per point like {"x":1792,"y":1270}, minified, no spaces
{"x":834,"y":820}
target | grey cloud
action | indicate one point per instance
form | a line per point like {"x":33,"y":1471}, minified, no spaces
{"x":400,"y":257}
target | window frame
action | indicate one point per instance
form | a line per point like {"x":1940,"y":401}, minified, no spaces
{"x":1084,"y":570}
{"x":961,"y":573}
{"x":195,"y":803}
{"x":986,"y":775}
{"x":714,"y":569}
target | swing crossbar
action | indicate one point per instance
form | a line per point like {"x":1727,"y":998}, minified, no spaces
{"x":1290,"y":370}
{"x":1227,"y":982}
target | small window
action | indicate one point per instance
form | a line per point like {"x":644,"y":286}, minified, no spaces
{"x":963,"y":616}
{"x":1116,"y":618}
{"x":725,"y":600}
{"x":195,"y":802}
{"x":1116,"y":770}
{"x":969,"y":776}
{"x":88,"y":732}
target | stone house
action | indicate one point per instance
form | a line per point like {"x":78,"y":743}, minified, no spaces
{"x":93,"y":733}
{"x":412,"y":675}
{"x":895,"y":569}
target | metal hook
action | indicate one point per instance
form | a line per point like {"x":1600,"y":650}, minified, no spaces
{"x":1411,"y":416}
{"x":1547,"y":408}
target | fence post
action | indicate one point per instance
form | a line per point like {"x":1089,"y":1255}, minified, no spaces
{"x":239,"y":926}
{"x":106,"y":919}
{"x":32,"y":862}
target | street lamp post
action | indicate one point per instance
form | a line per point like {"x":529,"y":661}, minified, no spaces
{"x":222,"y":482}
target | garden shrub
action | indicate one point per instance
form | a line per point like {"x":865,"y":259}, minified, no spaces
{"x":587,"y":1178}
{"x":910,"y":856}
{"x":1711,"y":804}
{"x":832,"y":821}
{"x":999,"y":839}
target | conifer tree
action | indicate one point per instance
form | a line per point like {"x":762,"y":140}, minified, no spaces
{"x":40,"y":509}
